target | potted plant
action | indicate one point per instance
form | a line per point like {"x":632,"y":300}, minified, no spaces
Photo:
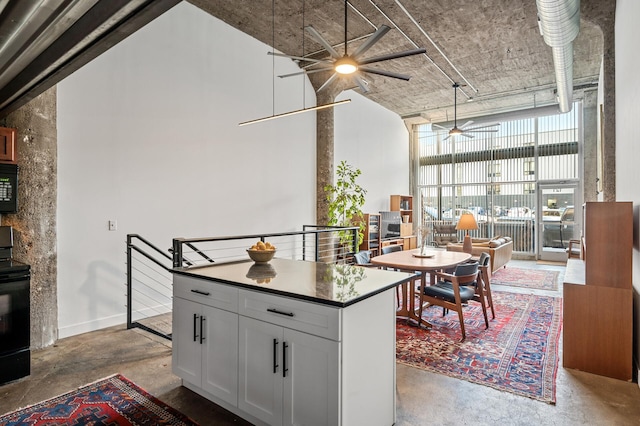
{"x":346,"y":199}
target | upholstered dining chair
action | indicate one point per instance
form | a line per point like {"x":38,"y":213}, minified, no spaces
{"x":390,"y":249}
{"x":451,"y":291}
{"x":362,"y":258}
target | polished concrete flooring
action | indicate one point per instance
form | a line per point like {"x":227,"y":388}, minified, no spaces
{"x":423,"y":398}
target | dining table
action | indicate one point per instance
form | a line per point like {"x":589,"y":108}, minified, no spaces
{"x":428,"y":262}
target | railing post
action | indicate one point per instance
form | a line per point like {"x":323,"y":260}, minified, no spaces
{"x":129,"y":284}
{"x":177,"y":253}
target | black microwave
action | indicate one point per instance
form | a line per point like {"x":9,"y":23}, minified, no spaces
{"x":8,"y":188}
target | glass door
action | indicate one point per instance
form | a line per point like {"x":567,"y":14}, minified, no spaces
{"x":558,"y":222}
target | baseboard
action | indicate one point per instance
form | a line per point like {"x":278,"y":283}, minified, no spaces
{"x":98,"y":324}
{"x":151,"y":311}
{"x":93,"y":325}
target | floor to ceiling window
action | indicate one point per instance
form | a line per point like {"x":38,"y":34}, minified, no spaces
{"x":498,"y":176}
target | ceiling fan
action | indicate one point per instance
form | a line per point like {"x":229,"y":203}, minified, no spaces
{"x":353,"y":64}
{"x":464,"y":129}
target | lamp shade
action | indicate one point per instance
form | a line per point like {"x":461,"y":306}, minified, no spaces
{"x":466,"y":222}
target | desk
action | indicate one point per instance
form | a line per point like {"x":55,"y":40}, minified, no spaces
{"x":406,"y":261}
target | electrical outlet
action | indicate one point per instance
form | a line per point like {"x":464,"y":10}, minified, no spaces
{"x":113,"y":225}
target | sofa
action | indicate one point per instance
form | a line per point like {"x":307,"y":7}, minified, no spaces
{"x":499,"y":248}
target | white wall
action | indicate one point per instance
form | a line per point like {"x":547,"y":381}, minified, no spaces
{"x":148,"y":136}
{"x":627,"y":34}
{"x":375,"y":140}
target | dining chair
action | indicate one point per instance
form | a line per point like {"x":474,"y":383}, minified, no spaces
{"x":483,"y":285}
{"x":363,"y":258}
{"x":451,"y":291}
{"x":391,"y":249}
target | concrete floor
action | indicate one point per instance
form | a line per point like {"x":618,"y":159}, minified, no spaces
{"x":423,"y":398}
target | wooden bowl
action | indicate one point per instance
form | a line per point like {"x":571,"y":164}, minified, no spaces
{"x":261,"y":256}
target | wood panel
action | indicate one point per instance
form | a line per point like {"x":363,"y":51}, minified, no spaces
{"x":609,"y":241}
{"x":598,"y":330}
{"x":598,"y":294}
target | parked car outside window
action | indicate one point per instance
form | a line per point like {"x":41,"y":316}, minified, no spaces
{"x":557,"y":233}
{"x":448,"y":214}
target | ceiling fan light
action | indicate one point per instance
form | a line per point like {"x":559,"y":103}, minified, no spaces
{"x":345,"y":65}
{"x":455,"y":131}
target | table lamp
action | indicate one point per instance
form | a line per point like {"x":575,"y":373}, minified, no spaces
{"x":465,"y":223}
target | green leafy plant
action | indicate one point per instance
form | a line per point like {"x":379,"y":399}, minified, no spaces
{"x":346,"y":198}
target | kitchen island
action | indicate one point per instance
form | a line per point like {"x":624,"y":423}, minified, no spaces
{"x":289,"y":342}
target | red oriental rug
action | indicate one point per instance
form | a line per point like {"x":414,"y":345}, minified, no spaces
{"x":111,"y":401}
{"x":517,"y":354}
{"x":527,"y":278}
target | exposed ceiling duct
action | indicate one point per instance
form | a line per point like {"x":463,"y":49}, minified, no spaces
{"x":560,"y":24}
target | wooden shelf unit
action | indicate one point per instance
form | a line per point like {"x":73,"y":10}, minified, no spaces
{"x":407,"y":243}
{"x":598,"y":294}
{"x":402,"y":204}
{"x":371,"y":240}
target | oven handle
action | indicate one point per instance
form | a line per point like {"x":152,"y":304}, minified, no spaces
{"x":5,"y":278}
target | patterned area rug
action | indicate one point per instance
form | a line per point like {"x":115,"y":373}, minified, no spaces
{"x":518,"y":353}
{"x":111,"y":401}
{"x":528,"y":278}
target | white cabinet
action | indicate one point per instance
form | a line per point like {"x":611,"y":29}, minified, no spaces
{"x":278,"y":360}
{"x":205,"y":343}
{"x":287,"y":377}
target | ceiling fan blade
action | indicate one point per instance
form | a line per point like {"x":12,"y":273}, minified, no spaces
{"x":439,"y":127}
{"x":312,"y":71}
{"x":446,"y":138}
{"x":381,"y":31}
{"x":392,"y":56}
{"x":385,"y":73}
{"x":363,"y":84}
{"x":467,"y":136}
{"x":316,"y":35}
{"x":481,"y":131}
{"x":468,"y":123}
{"x":299,"y":58}
{"x":484,"y":127}
{"x":329,"y":81}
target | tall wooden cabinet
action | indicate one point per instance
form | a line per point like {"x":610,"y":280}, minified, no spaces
{"x":598,"y":294}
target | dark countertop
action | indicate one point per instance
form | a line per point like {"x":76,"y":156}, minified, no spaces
{"x":325,"y":283}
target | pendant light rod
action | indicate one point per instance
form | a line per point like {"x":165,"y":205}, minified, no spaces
{"x":455,"y":104}
{"x":345,"y":27}
{"x":298,"y":111}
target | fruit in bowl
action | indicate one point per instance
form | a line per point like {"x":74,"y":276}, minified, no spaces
{"x":261,"y":252}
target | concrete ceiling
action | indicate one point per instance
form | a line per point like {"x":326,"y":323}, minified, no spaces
{"x":491,"y":46}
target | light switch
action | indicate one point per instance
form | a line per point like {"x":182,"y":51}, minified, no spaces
{"x":113,"y":225}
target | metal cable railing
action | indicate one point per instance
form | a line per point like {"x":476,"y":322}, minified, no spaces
{"x":149,"y":277}
{"x":149,"y":291}
{"x":326,"y":244}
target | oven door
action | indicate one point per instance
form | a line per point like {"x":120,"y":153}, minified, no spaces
{"x":14,"y":314}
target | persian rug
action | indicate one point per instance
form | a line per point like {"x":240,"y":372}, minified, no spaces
{"x":111,"y":401}
{"x":538,"y":279}
{"x":517,"y":354}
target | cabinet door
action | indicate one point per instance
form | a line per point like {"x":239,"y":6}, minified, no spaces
{"x":260,"y":370}
{"x":186,"y":348}
{"x":220,"y":354}
{"x":311,"y":385}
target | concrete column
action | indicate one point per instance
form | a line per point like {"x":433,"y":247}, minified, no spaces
{"x":34,"y":224}
{"x":590,"y":151}
{"x":324,"y":155}
{"x":324,"y":143}
{"x":602,"y":13}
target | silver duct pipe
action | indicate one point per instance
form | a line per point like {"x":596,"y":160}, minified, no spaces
{"x":560,"y":24}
